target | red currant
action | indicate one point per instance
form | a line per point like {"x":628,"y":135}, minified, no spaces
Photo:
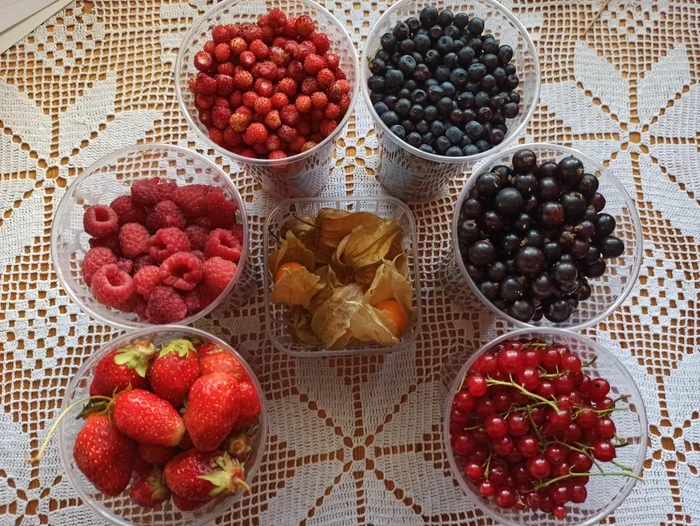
{"x":580,"y":463}
{"x":487,"y":488}
{"x":605,"y":403}
{"x":464,"y":401}
{"x":606,"y":427}
{"x":486,"y":364}
{"x":573,"y":433}
{"x":559,"y":512}
{"x":563,"y":384}
{"x":463,"y":443}
{"x":457,"y":418}
{"x":477,"y":385}
{"x":570,"y":362}
{"x":505,"y":498}
{"x":539,"y":467}
{"x":533,"y":500}
{"x":515,"y":456}
{"x":578,"y":493}
{"x":531,"y":358}
{"x":510,"y":360}
{"x":538,"y":415}
{"x":591,"y":435}
{"x":503,"y":446}
{"x":546,"y":504}
{"x":559,"y":493}
{"x":473,"y":470}
{"x":556,"y":454}
{"x":495,"y":426}
{"x":546,"y":389}
{"x":518,"y":397}
{"x":562,"y":469}
{"x":560,"y":419}
{"x":529,"y":378}
{"x":484,"y":407}
{"x":480,"y":454}
{"x":528,"y":446}
{"x":498,"y":472}
{"x":480,"y":436}
{"x":520,"y":473}
{"x":599,"y":389}
{"x":587,"y":419}
{"x":518,"y":424}
{"x":551,"y":359}
{"x":585,"y":385}
{"x":603,"y":450}
{"x":520,"y":504}
{"x":502,"y":401}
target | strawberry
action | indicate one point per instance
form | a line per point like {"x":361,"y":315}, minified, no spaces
{"x":141,"y":466}
{"x":205,"y":348}
{"x":150,"y":489}
{"x":174,"y":370}
{"x":146,"y":418}
{"x":183,"y":504}
{"x":239,"y":445}
{"x":198,"y":475}
{"x":122,"y":368}
{"x":249,"y":404}
{"x":186,"y":442}
{"x":212,"y":410}
{"x":156,"y":455}
{"x":104,"y":455}
{"x":221,"y":361}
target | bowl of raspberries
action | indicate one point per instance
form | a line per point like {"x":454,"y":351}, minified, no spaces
{"x":151,"y":234}
{"x":270,"y":88}
{"x":162,"y":428}
{"x":446,"y":83}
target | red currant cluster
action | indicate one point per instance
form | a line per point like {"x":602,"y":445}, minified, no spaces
{"x":528,"y":425}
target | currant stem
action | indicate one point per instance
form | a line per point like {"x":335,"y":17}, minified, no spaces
{"x":574,"y":474}
{"x":488,"y":465}
{"x":583,"y":451}
{"x":38,"y":456}
{"x":524,"y":391}
{"x":533,"y":425}
{"x":589,"y":363}
{"x":621,"y":398}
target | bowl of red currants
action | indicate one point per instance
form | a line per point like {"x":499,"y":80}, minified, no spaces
{"x":545,"y":427}
{"x":544,"y":235}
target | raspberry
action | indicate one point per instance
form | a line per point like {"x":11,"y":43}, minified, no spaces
{"x":226,"y":68}
{"x":273,"y":142}
{"x":145,"y":192}
{"x":197,"y":236}
{"x":272,"y":120}
{"x":295,"y":70}
{"x":288,"y":86}
{"x":146,"y":279}
{"x":220,"y":117}
{"x":304,"y":50}
{"x":166,"y":190}
{"x":327,"y":127}
{"x":222,"y":52}
{"x":249,"y":98}
{"x":238,"y":46}
{"x":263,"y":87}
{"x":256,"y":133}
{"x":260,"y":148}
{"x":259,"y":49}
{"x":126,"y":265}
{"x":243,"y":80}
{"x":232,"y":138}
{"x":235,"y":99}
{"x":220,"y":209}
{"x":111,"y":286}
{"x":303,"y":103}
{"x":224,"y":85}
{"x":95,"y":259}
{"x":218,"y":273}
{"x":339,"y":74}
{"x":309,"y":86}
{"x":276,"y":18}
{"x":164,"y":215}
{"x":216,"y":136}
{"x":204,"y":222}
{"x":182,"y":270}
{"x":237,"y":231}
{"x":224,"y":244}
{"x":165,"y":306}
{"x":277,"y":154}
{"x":325,"y":78}
{"x":319,"y":100}
{"x":142,"y":261}
{"x":205,"y":117}
{"x":333,"y":60}
{"x":332,"y":111}
{"x":287,"y":133}
{"x":209,"y":47}
{"x":166,"y":242}
{"x":303,"y":127}
{"x":221,"y":34}
{"x":266,"y":70}
{"x":203,"y":102}
{"x":314,"y":63}
{"x":100,"y":221}
{"x":308,"y":145}
{"x":192,"y":199}
{"x":279,"y":100}
{"x":191,"y":299}
{"x":239,"y":121}
{"x":305,"y":26}
{"x":290,"y":115}
{"x":128,"y":211}
{"x":247,"y":59}
{"x":133,"y":239}
{"x":204,"y":84}
{"x":203,"y":61}
{"x":263,"y":105}
{"x":290,"y":28}
{"x":250,"y":32}
{"x":279,"y":57}
{"x":321,"y":42}
{"x":200,"y":255}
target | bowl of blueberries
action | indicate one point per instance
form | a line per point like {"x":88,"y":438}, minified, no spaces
{"x":447,"y":84}
{"x":545,"y":236}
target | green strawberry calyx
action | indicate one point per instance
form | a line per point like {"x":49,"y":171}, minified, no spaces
{"x":180,"y":347}
{"x":239,"y":445}
{"x":136,"y":356}
{"x":229,"y":478}
{"x":156,"y":483}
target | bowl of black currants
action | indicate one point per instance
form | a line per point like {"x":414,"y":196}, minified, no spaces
{"x":547,"y":236}
{"x":447,"y":84}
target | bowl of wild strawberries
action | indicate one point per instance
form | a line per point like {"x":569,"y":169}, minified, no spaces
{"x":545,"y":427}
{"x":162,"y":428}
{"x":150,"y":235}
{"x":446,"y":83}
{"x":271,"y":88}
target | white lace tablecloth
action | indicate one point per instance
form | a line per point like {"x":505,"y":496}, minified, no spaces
{"x":354,"y":441}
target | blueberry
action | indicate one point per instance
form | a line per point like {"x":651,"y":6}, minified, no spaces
{"x":474,"y":130}
{"x":390,"y":101}
{"x":407,"y":46}
{"x":450,"y":60}
{"x":482,"y":145}
{"x":380,"y":108}
{"x":422,"y":126}
{"x":465,"y":99}
{"x":505,"y":54}
{"x":431,"y":82}
{"x":442,"y":73}
{"x":430,"y":113}
{"x":383,"y":55}
{"x":435,"y":93}
{"x":489,"y":44}
{"x":377,"y":66}
{"x":416,"y":112}
{"x":458,"y":77}
{"x":452,"y":32}
{"x":481,"y":99}
{"x":413,"y":24}
{"x":496,"y":137}
{"x":489,"y":60}
{"x":488,"y":82}
{"x":510,"y":110}
{"x":428,"y":138}
{"x":422,"y":72}
{"x":376,"y":83}
{"x":426,"y":148}
{"x":375,"y":97}
{"x":484,"y":114}
{"x":512,"y":82}
{"x":466,"y":141}
{"x":407,"y":64}
{"x":403,"y":107}
{"x":476,"y":72}
{"x":388,"y":42}
{"x":461,"y":20}
{"x":408,"y":125}
{"x":445,"y":18}
{"x":435,"y":33}
{"x":403,"y":93}
{"x":454,"y":134}
{"x":394,"y":78}
{"x":469,"y":115}
{"x":442,"y":144}
{"x":422,"y":43}
{"x":454,"y":151}
{"x":457,"y":44}
{"x":437,"y":128}
{"x":472,"y":86}
{"x":475,"y":44}
{"x":398,"y":130}
{"x":428,"y":16}
{"x":414,"y":139}
{"x":470,"y":150}
{"x":476,"y":26}
{"x":390,"y":118}
{"x":445,"y":105}
{"x":465,"y":56}
{"x":444,"y":44}
{"x":432,"y":58}
{"x":410,"y":85}
{"x":456,"y":116}
{"x":402,"y":31}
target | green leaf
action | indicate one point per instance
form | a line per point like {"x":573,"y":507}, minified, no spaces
{"x":135,"y":356}
{"x":220,"y":479}
{"x":180,"y":347}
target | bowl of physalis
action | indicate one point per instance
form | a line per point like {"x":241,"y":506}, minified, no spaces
{"x":341,"y":276}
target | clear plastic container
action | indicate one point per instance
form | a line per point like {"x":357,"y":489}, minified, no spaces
{"x":111,"y":177}
{"x":386,"y":207}
{"x":605,"y":494}
{"x":304,"y":174}
{"x":608,"y":291}
{"x":411,"y":174}
{"x":120,"y":510}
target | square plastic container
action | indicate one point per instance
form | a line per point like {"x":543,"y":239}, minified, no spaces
{"x":385,"y":207}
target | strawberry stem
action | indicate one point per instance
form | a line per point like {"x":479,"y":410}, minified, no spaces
{"x":38,"y":456}
{"x":491,"y":381}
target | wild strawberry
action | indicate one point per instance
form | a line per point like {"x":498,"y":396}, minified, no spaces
{"x":174,"y":371}
{"x":290,"y":28}
{"x":248,"y":152}
{"x":238,"y":45}
{"x":303,"y":103}
{"x":289,"y":115}
{"x":273,"y":141}
{"x":339,"y":74}
{"x":308,"y":145}
{"x":277,"y":154}
{"x":249,"y":98}
{"x":279,"y":57}
{"x":287,"y":133}
{"x":122,"y":368}
{"x":296,"y":145}
{"x":268,"y":35}
{"x":205,"y":117}
{"x":332,"y":111}
{"x":198,"y":475}
{"x":309,"y":86}
{"x":203,"y":61}
{"x":203,"y":102}
{"x":287,"y":86}
{"x":226,"y":68}
{"x":263,"y":87}
{"x":305,"y":26}
{"x":313,"y":63}
{"x":204,"y":85}
{"x":277,"y":18}
{"x":247,"y":59}
{"x":259,"y":49}
{"x":281,"y":73}
{"x":209,"y":47}
{"x":303,"y":128}
{"x":221,"y":102}
{"x":221,"y":34}
{"x":260,"y":148}
{"x":249,"y":405}
{"x":325,"y":78}
{"x":316,"y":137}
{"x":147,"y":418}
{"x":222,"y":52}
{"x":266,"y":70}
{"x":263,"y":105}
{"x":243,"y":80}
{"x":224,"y":85}
{"x":156,"y":455}
{"x":220,"y":117}
{"x":296,"y":72}
{"x":216,"y":136}
{"x":234,"y":29}
{"x":272,"y":120}
{"x":327,"y":127}
{"x":239,"y":121}
{"x":344,"y":103}
{"x":334,"y":92}
{"x":232,"y":138}
{"x":104,"y":455}
{"x":316,"y":119}
{"x":183,"y":504}
{"x":321,"y":42}
{"x":279,"y":100}
{"x":149,"y":490}
{"x":333,"y":60}
{"x":250,"y":32}
{"x":255,"y":133}
{"x":319,"y":100}
{"x":212,"y":410}
{"x":235,"y":99}
{"x":220,"y":361}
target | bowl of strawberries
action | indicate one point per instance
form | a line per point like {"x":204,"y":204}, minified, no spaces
{"x":150,"y":235}
{"x":162,"y":428}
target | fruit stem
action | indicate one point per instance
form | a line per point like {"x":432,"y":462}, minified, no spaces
{"x":488,"y":465}
{"x":583,"y":451}
{"x":38,"y":456}
{"x":151,"y":338}
{"x":305,"y":222}
{"x":551,"y":404}
{"x":533,"y":425}
{"x":572,"y":474}
{"x":622,"y":398}
{"x":621,"y":466}
{"x":589,"y":363}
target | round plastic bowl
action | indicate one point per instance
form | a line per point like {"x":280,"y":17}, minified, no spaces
{"x":605,"y":494}
{"x":411,"y":174}
{"x":301,"y":175}
{"x":111,"y":177}
{"x":608,"y":291}
{"x":120,"y":510}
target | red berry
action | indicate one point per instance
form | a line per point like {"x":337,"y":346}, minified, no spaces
{"x":464,"y":401}
{"x":238,"y":46}
{"x":220,"y":117}
{"x":510,"y":361}
{"x":255,"y":133}
{"x":263,"y":105}
{"x":487,"y":488}
{"x":182,"y":271}
{"x":277,"y":18}
{"x":165,"y":305}
{"x":546,"y":389}
{"x":486,"y":364}
{"x":529,"y":378}
{"x":239,"y":121}
{"x":503,"y":445}
{"x":232,"y":138}
{"x":563,"y":384}
{"x":559,"y":493}
{"x":551,"y":359}
{"x":598,"y":390}
{"x":484,"y":407}
{"x":305,"y":26}
{"x":218,"y":273}
{"x":203,"y":61}
{"x":328,"y":127}
{"x":222,"y":52}
{"x":324,"y":78}
{"x":559,"y":512}
{"x":259,"y":49}
{"x":100,"y":221}
{"x":221,"y":34}
{"x":603,"y":450}
{"x":570,"y":362}
{"x":247,"y":59}
{"x":204,"y":84}
{"x":243,"y":80}
{"x":332,"y":111}
{"x":133,"y":239}
{"x":146,"y":279}
{"x":226,"y":68}
{"x":288,"y":86}
{"x":290,"y":28}
{"x":539,"y":467}
{"x":495,"y":426}
{"x":250,"y":32}
{"x":473,"y":470}
{"x":111,"y":286}
{"x":580,"y":463}
{"x":205,"y":117}
{"x":303,"y":103}
{"x":578,"y":493}
{"x":192,"y":199}
{"x":462,"y":443}
{"x":263,"y":87}
{"x":95,"y":259}
{"x":224,"y":244}
{"x":458,"y":418}
{"x":166,"y":242}
{"x":279,"y":100}
{"x":216,"y":135}
{"x":518,"y":424}
{"x":506,"y":498}
{"x":606,"y":428}
{"x":528,"y":446}
{"x":287,"y":133}
{"x":556,"y":454}
{"x":477,"y":386}
{"x":559,"y":419}
{"x":333,"y":61}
